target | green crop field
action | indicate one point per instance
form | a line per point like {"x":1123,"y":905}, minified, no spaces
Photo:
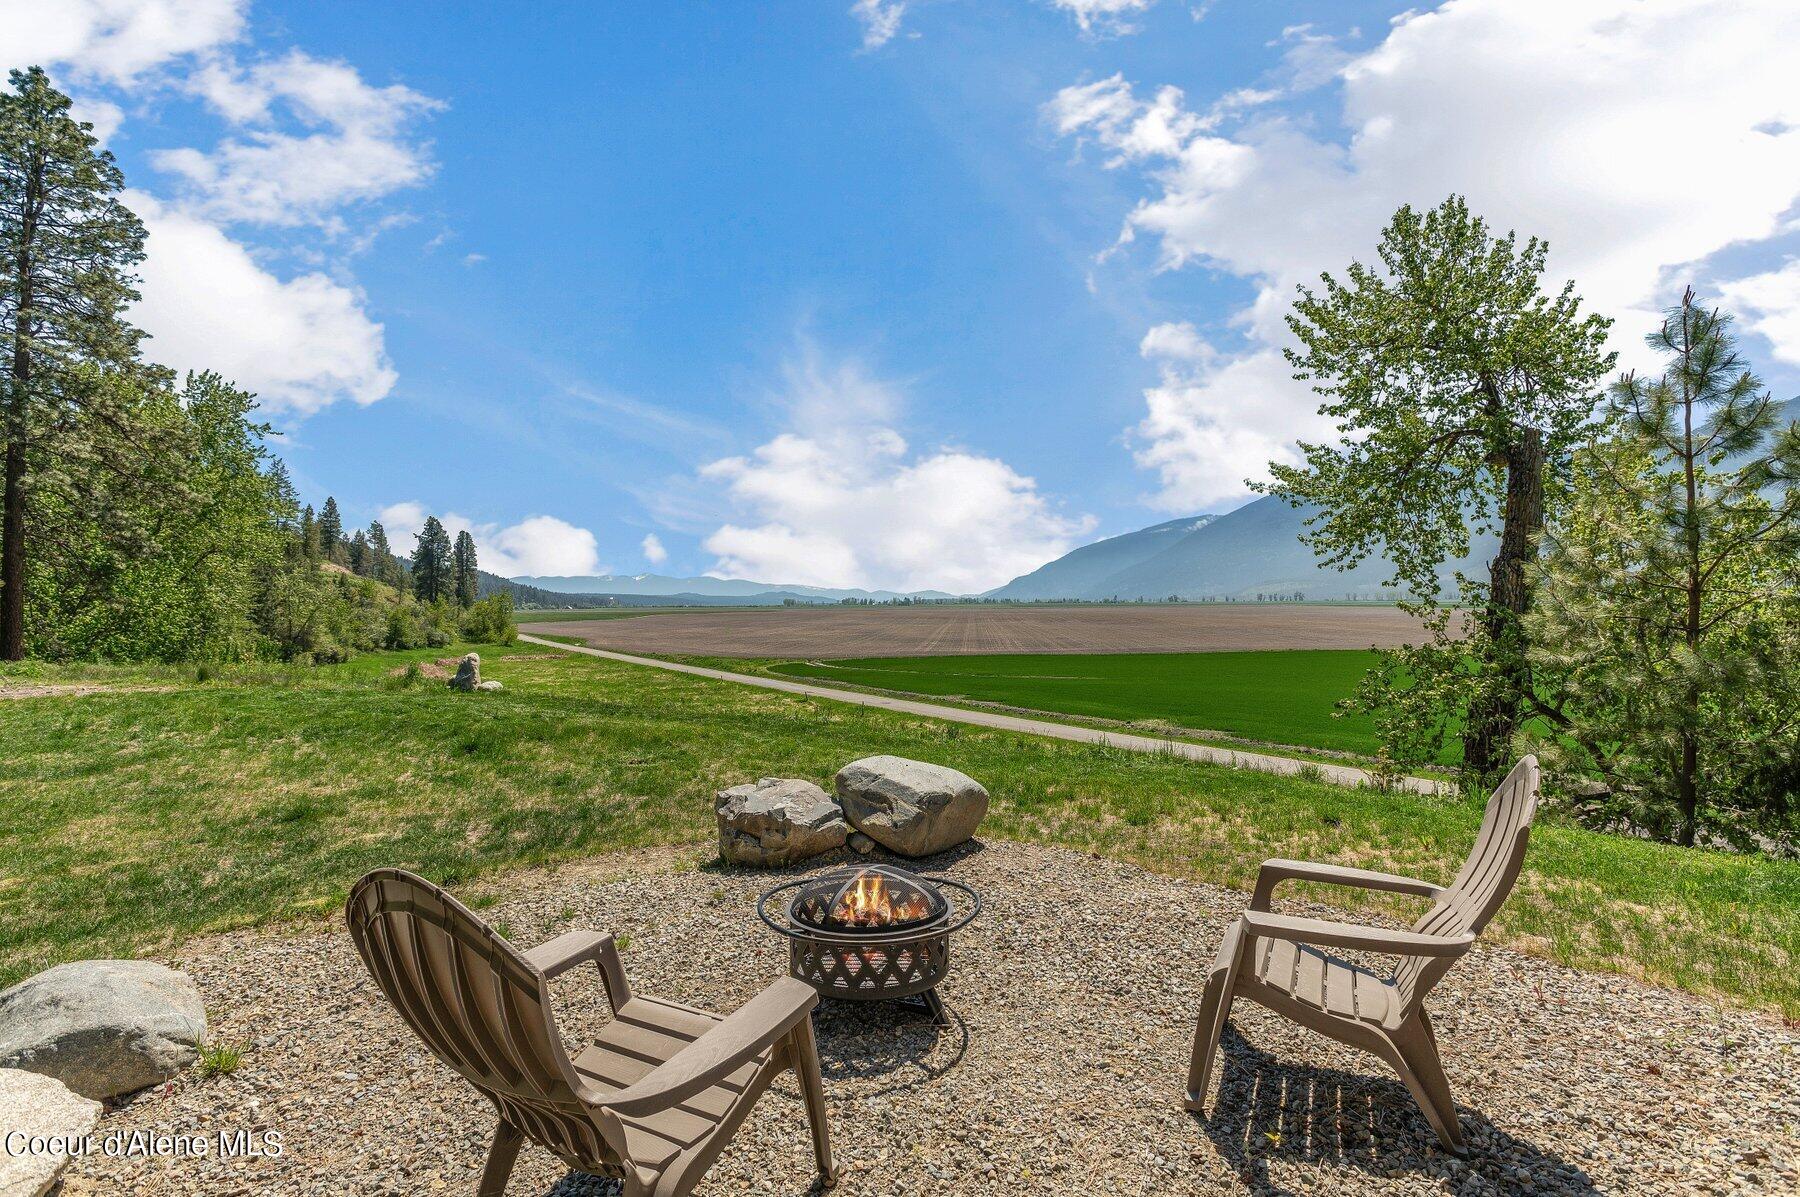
{"x":148,"y":804}
{"x":1278,"y":697}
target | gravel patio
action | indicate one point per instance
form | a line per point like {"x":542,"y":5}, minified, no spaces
{"x":1061,"y":1072}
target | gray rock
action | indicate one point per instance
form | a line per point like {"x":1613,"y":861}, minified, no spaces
{"x":778,"y":821}
{"x":489,"y":687}
{"x":468,"y":673}
{"x":47,"y":1120}
{"x":910,"y":807}
{"x":102,"y":1027}
{"x":861,"y":843}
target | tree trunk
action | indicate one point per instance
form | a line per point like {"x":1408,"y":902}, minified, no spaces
{"x":12,"y":550}
{"x":1687,"y":779}
{"x":1494,"y":716}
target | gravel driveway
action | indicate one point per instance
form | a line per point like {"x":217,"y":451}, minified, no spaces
{"x":1061,"y":1073}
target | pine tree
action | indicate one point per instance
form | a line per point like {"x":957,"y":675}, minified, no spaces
{"x":431,"y":566}
{"x":67,"y":251}
{"x":466,"y":579}
{"x":1670,"y":591}
{"x":359,"y":554}
{"x":309,"y":534}
{"x":331,"y":526}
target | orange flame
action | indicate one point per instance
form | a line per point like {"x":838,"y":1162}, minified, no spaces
{"x":868,"y":902}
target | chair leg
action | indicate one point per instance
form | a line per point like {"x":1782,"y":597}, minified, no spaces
{"x":812,"y":1091}
{"x":1215,"y":1008}
{"x":1422,"y":1069}
{"x":501,"y":1157}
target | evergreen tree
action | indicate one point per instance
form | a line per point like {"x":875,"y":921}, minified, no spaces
{"x":67,"y":251}
{"x":359,"y":554}
{"x":432,"y":575}
{"x":463,"y":568}
{"x":330,"y":526}
{"x":309,"y":534}
{"x":1669,"y":596}
{"x":1456,"y":383}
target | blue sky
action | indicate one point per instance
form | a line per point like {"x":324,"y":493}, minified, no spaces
{"x":902,"y":295}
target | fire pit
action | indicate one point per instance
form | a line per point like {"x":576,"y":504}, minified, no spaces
{"x":876,"y":933}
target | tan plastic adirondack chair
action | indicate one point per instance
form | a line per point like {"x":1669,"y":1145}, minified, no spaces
{"x":652,"y":1102}
{"x":1275,"y":961}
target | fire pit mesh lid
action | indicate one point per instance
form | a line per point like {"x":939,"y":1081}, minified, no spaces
{"x":872,"y":898}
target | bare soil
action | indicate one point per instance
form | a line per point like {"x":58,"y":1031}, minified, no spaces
{"x":955,"y":631}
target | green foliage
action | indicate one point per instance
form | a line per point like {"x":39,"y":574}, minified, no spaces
{"x":218,"y":1059}
{"x":432,"y":573}
{"x":1454,"y":381}
{"x":68,"y":248}
{"x":464,"y":574}
{"x":490,"y":621}
{"x":1668,"y":628}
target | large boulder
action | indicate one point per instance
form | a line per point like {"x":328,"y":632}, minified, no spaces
{"x":468,"y":673}
{"x":910,"y":807}
{"x":102,"y":1027}
{"x":42,"y":1125}
{"x":777,"y":821}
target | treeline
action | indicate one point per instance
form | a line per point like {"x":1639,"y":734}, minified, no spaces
{"x":142,"y":516}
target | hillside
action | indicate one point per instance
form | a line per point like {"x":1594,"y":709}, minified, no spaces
{"x":1081,"y":571}
{"x":1253,"y":550}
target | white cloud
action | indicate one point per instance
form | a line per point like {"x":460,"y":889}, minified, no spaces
{"x":1769,"y":304}
{"x":113,"y":41}
{"x":300,"y":344}
{"x":352,"y":141}
{"x":654,"y":552}
{"x":1553,"y":118}
{"x":880,"y":20}
{"x":840,"y":500}
{"x":537,"y":545}
{"x":1110,"y":17}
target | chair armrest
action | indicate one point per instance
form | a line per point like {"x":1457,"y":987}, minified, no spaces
{"x":557,"y":956}
{"x":1320,"y":933}
{"x":721,"y":1051}
{"x":1274,"y":871}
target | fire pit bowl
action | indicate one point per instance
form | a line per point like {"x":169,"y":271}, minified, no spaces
{"x":871,"y":933}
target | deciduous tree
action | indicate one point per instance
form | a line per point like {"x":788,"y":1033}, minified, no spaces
{"x":1455,"y":381}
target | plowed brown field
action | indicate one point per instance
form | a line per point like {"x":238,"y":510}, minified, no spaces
{"x":952,"y":630}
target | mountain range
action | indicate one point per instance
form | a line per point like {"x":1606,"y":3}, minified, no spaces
{"x":1253,"y":550}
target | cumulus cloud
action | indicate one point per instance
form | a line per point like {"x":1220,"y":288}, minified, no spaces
{"x":346,"y":141}
{"x":1553,"y":118}
{"x":114,"y":41}
{"x":208,"y":304}
{"x":842,"y":500}
{"x":1111,"y":17}
{"x":537,"y":545}
{"x":880,"y":20}
{"x":654,"y":552}
{"x":1769,"y":304}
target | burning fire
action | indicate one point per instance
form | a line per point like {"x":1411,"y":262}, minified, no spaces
{"x":868,"y":902}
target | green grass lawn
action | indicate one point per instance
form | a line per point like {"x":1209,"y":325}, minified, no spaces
{"x":139,"y":816}
{"x":1277,"y":697}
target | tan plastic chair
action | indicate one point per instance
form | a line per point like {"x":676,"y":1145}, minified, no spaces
{"x":652,"y":1102}
{"x":1275,"y":961}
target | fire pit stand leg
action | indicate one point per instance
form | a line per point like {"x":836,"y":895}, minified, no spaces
{"x":930,"y":1003}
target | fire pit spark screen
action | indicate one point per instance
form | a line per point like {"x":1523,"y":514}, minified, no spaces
{"x":876,"y":933}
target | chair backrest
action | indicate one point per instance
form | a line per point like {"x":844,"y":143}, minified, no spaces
{"x":1482,"y":886}
{"x":477,"y":1004}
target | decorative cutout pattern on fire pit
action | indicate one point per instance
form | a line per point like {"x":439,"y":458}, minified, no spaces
{"x":869,"y":934}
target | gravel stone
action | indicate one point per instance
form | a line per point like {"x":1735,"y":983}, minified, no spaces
{"x":1072,"y":1001}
